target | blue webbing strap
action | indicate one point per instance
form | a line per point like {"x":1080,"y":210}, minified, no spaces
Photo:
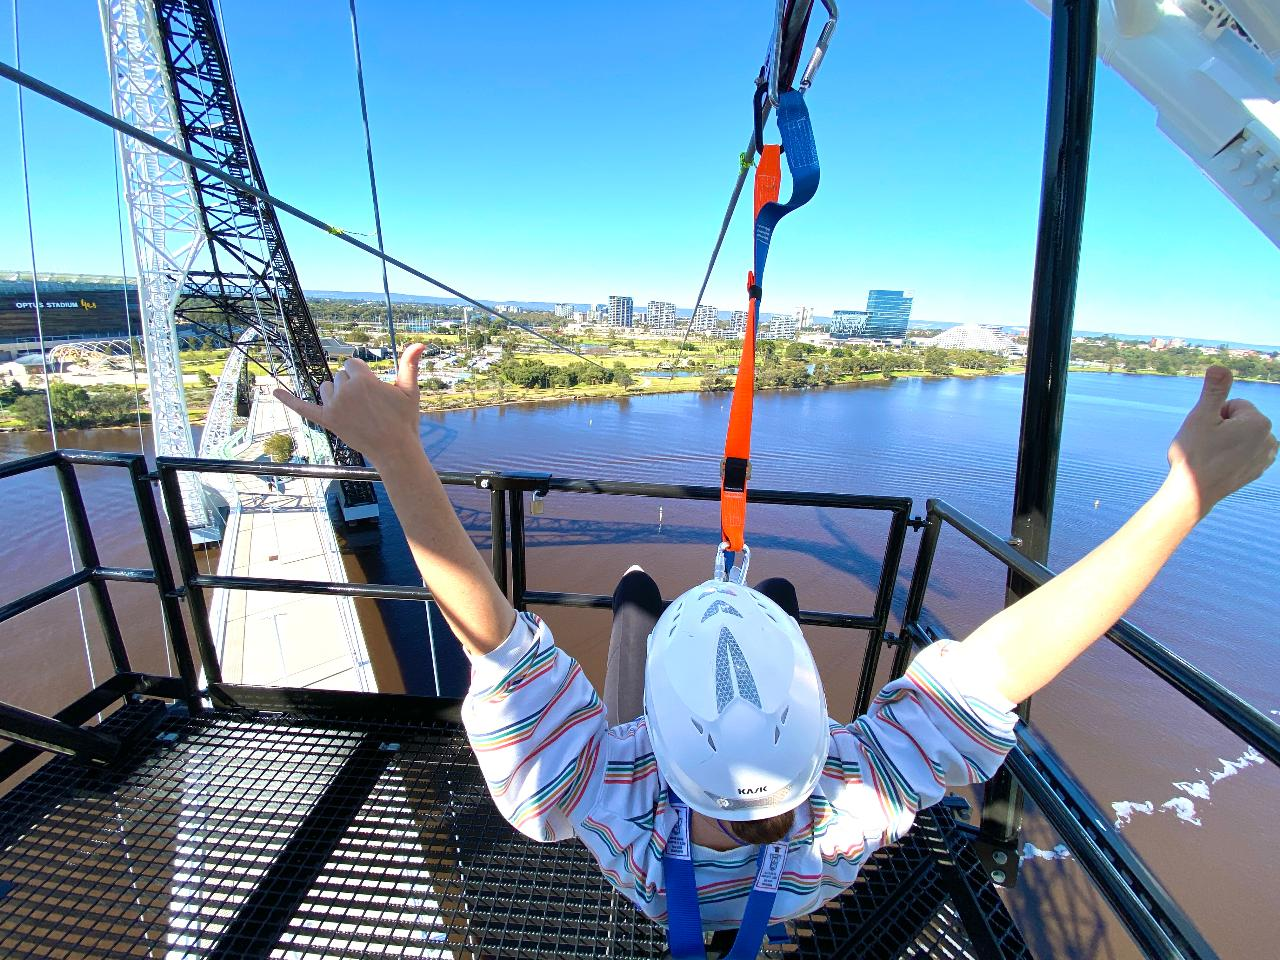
{"x":755,"y":917}
{"x":801,"y":151}
{"x":684,"y":918}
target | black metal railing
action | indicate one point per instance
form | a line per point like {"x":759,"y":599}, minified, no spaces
{"x":33,"y":733}
{"x":507,"y":491}
{"x":1141,"y":902}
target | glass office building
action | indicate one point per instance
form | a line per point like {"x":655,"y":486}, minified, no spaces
{"x":888,"y":312}
{"x":848,"y":323}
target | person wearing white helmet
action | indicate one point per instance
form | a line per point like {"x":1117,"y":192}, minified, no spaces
{"x":715,"y":792}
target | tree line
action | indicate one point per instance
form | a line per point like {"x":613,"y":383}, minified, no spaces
{"x":1174,"y":361}
{"x":108,"y":405}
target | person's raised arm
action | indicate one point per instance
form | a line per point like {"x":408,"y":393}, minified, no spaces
{"x":381,"y":421}
{"x":1222,"y":446}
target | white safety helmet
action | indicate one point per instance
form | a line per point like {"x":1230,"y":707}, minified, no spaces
{"x":736,"y":710}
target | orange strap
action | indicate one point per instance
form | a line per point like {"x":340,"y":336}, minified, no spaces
{"x":736,"y":466}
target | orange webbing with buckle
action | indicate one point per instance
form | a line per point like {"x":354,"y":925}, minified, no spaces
{"x":735,"y":469}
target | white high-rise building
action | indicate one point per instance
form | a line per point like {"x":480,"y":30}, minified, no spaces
{"x":781,"y":326}
{"x":737,"y":325}
{"x":662,"y":315}
{"x":564,"y":310}
{"x":806,"y":318}
{"x":621,"y":311}
{"x":705,"y":319}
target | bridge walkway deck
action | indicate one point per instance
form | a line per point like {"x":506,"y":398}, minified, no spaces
{"x":282,"y":528}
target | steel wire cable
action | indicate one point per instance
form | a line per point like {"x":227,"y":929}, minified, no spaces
{"x":373,"y":182}
{"x":44,"y":356}
{"x":35,"y":85}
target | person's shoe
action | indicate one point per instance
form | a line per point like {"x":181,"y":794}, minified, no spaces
{"x":634,"y":568}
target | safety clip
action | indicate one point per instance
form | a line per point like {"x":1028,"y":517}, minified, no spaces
{"x":736,"y":574}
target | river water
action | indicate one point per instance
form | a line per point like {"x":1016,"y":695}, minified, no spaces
{"x":1186,"y":793}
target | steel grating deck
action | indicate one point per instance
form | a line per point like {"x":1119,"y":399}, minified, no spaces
{"x":308,"y":833}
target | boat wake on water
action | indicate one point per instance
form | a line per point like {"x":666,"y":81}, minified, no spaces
{"x":1183,"y":807}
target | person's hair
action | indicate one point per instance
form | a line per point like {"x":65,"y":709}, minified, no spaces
{"x":770,"y":830}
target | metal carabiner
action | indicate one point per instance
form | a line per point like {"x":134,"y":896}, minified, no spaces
{"x":737,"y":574}
{"x":769,"y":82}
{"x":820,"y":48}
{"x":789,"y":18}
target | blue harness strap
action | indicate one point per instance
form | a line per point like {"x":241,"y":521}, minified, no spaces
{"x":801,"y":151}
{"x":684,"y":918}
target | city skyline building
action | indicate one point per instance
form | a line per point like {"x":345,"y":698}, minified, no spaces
{"x":781,"y":326}
{"x":662,"y":315}
{"x":564,"y":310}
{"x":848,"y":323}
{"x":888,"y":313}
{"x":705,"y":319}
{"x":621,"y":311}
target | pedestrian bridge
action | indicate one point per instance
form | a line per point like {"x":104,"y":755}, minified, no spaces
{"x":281,"y":527}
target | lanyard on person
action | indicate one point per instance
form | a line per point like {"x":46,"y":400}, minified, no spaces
{"x":684,"y":918}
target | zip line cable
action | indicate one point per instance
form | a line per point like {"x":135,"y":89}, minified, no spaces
{"x":373,"y":182}
{"x":744,"y":165}
{"x":745,"y":162}
{"x":44,"y":357}
{"x":49,"y":92}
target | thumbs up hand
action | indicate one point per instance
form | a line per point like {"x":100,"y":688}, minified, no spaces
{"x":1222,"y":445}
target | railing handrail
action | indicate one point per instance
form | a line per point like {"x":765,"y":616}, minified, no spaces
{"x":506,"y":490}
{"x":1227,"y":707}
{"x":63,"y":733}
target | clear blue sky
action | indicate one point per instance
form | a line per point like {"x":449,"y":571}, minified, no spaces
{"x":572,"y":150}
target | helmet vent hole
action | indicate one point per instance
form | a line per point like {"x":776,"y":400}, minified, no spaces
{"x":785,"y":714}
{"x":710,"y":743}
{"x":766,"y":611}
{"x":777,"y":734}
{"x":696,"y":725}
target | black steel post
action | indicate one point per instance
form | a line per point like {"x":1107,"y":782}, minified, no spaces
{"x":170,"y":609}
{"x":188,"y":568}
{"x":498,"y":537}
{"x":1069,"y":124}
{"x":87,"y":551}
{"x":884,"y":604}
{"x":518,"y":559}
{"x":919,"y":586}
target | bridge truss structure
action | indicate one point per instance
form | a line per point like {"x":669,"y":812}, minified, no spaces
{"x":164,"y":215}
{"x":232,"y":271}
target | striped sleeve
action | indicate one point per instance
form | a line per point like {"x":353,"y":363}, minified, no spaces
{"x":537,"y":728}
{"x":933,"y":728}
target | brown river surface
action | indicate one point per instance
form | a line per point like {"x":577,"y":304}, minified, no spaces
{"x":1188,"y":795}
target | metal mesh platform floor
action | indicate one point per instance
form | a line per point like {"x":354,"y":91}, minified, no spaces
{"x":309,"y":834}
